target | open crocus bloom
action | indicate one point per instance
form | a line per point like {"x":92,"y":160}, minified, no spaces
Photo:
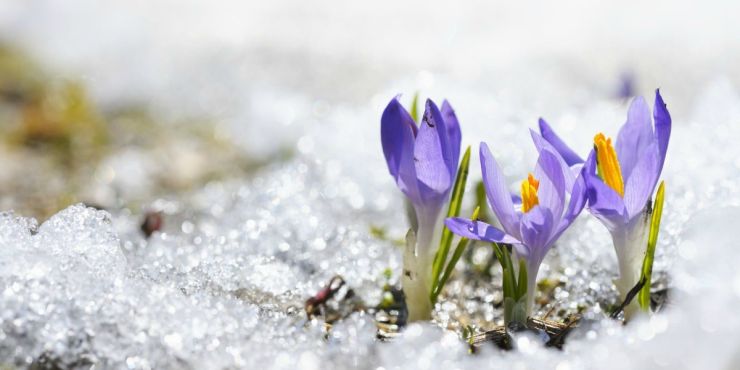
{"x":550,"y":203}
{"x":423,"y":161}
{"x":621,"y":180}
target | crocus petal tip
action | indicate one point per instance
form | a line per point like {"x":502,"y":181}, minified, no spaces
{"x":543,"y":124}
{"x":659,"y":103}
{"x":429,"y":103}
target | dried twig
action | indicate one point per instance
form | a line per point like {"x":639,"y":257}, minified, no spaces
{"x":628,"y":299}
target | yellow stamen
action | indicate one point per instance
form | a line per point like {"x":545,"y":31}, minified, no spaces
{"x":608,"y":164}
{"x":529,"y":193}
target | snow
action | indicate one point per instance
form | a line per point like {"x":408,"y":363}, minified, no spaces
{"x":223,"y":284}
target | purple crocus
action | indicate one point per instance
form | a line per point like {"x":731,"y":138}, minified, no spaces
{"x":423,"y":161}
{"x":621,"y":179}
{"x":551,"y":200}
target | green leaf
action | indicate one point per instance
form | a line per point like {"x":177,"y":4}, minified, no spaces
{"x":508,"y":308}
{"x":499,"y":254}
{"x":482,"y":201}
{"x":522,"y":282}
{"x":515,"y":292}
{"x":509,"y":301}
{"x":415,"y":108}
{"x":461,"y":245}
{"x":499,"y":251}
{"x":509,"y":271}
{"x":643,"y":297}
{"x":515,"y":310}
{"x":518,"y":311}
{"x":456,"y":199}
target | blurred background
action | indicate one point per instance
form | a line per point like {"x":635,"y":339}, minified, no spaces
{"x":115,"y":103}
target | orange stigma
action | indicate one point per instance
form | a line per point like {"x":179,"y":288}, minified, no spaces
{"x":608,"y":164}
{"x":529,"y":193}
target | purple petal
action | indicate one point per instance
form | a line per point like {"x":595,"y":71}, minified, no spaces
{"x":589,"y":167}
{"x":578,"y":193}
{"x":563,"y":149}
{"x":662,"y":127}
{"x":604,"y":202}
{"x":432,"y":155}
{"x":576,"y":203}
{"x":551,"y":192}
{"x":541,"y":144}
{"x":433,"y":117}
{"x":536,"y":228}
{"x":641,"y":183}
{"x":478,"y":230}
{"x":397,"y":131}
{"x":498,"y":194}
{"x":635,"y":136}
{"x":453,"y":130}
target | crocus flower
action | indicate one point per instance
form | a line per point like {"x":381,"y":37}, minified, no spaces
{"x":621,"y":178}
{"x":423,"y":161}
{"x":545,"y":213}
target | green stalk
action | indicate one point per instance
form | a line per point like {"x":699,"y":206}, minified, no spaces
{"x":440,"y":258}
{"x":643,"y":298}
{"x":522,"y":281}
{"x":482,"y":202}
{"x":515,"y":288}
{"x":461,"y":245}
{"x":498,"y":253}
{"x":510,"y":272}
{"x":415,"y":108}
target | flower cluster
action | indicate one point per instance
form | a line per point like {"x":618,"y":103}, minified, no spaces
{"x":615,"y":183}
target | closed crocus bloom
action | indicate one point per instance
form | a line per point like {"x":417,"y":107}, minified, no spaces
{"x":551,"y":199}
{"x":621,"y":180}
{"x":423,"y":161}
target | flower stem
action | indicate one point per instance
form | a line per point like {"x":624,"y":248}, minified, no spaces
{"x":532,"y":270}
{"x":630,"y":243}
{"x":417,"y":265}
